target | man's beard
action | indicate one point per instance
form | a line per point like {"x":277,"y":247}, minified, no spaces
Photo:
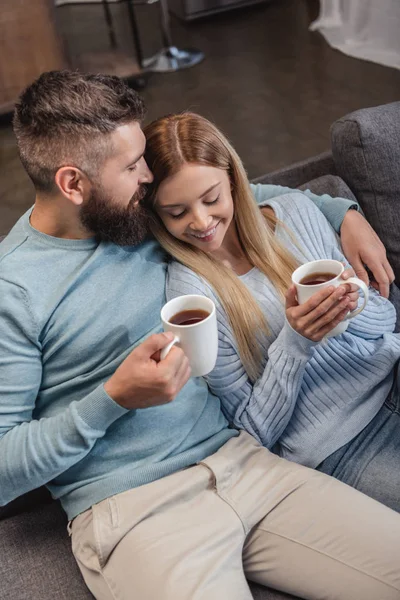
{"x":122,"y":225}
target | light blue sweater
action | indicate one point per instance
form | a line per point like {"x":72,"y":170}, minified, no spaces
{"x":70,"y":312}
{"x":311,"y":397}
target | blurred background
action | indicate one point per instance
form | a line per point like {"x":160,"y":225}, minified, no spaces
{"x":272,"y":85}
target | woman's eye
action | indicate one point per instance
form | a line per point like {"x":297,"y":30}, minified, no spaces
{"x":213,"y":201}
{"x":177,"y":216}
{"x":132,"y":168}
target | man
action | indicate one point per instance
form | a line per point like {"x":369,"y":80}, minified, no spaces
{"x":165,"y":499}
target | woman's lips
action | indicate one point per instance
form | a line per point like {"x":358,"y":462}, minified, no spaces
{"x":205,"y":236}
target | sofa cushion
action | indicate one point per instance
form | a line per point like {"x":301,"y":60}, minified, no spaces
{"x":366,"y":153}
{"x":36,"y":560}
{"x":329,"y":184}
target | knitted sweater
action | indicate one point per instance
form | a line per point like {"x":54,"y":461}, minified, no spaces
{"x":312,"y":398}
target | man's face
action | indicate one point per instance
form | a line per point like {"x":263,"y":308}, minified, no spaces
{"x":112,"y":212}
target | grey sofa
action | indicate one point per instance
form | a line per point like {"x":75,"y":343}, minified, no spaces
{"x":36,"y":562}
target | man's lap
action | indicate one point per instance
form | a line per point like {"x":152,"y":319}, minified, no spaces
{"x":188,"y":535}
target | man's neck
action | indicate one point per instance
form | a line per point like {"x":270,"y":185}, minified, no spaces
{"x":57,"y":217}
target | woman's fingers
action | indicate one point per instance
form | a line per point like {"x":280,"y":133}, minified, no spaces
{"x":291,"y":297}
{"x":323,"y":331}
{"x":329,"y":320}
{"x":321,"y":313}
{"x":321,"y":302}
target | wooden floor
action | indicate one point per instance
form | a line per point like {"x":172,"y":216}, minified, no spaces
{"x":270,"y":84}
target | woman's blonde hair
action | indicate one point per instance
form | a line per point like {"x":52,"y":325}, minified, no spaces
{"x":188,"y":138}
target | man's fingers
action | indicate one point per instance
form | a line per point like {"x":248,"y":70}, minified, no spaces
{"x":381,"y":277}
{"x":155,"y":343}
{"x":360,"y":271}
{"x":386,"y":278}
{"x":383,"y":288}
{"x":389,"y":271}
{"x":183,"y":373}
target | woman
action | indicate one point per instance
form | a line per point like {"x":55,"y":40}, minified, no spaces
{"x":331,"y":405}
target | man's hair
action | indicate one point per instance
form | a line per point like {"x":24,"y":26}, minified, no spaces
{"x":66,"y":118}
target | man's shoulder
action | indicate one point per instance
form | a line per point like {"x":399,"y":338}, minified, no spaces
{"x":13,"y":245}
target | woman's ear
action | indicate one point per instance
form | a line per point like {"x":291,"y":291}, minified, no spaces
{"x":72,"y":183}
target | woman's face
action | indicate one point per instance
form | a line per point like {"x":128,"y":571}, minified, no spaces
{"x":196,"y":205}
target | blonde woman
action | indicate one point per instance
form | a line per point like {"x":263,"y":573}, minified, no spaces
{"x":333,"y":406}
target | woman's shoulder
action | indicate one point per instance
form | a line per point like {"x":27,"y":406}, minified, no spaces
{"x":293,"y":204}
{"x":181,"y":281}
{"x":296,"y":211}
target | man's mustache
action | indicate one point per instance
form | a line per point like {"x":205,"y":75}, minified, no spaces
{"x":139,"y":195}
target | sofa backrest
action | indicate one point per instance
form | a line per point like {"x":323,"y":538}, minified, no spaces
{"x":366,"y":153}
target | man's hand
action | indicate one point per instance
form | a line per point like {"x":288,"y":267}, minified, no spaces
{"x":362,"y":246}
{"x":142,"y":380}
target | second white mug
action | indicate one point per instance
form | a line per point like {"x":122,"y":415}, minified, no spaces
{"x":304,"y":292}
{"x":199,"y":341}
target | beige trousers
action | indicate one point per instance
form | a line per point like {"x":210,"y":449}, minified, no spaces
{"x":242,"y":512}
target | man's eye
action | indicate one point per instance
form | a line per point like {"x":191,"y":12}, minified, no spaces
{"x":132,"y":168}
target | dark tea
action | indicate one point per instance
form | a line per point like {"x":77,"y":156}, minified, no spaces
{"x":189,"y":317}
{"x":317,"y":278}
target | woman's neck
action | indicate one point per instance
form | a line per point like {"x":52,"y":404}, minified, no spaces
{"x":231,"y":252}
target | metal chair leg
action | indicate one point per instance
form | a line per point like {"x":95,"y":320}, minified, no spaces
{"x":170,"y":58}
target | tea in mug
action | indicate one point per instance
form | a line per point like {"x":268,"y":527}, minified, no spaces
{"x":189,"y":317}
{"x":317,"y":278}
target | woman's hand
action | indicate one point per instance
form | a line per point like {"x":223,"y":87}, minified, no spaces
{"x":362,"y":246}
{"x":354,"y":289}
{"x":322,"y":312}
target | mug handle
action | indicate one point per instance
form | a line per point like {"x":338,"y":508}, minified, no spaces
{"x":165,"y":351}
{"x":365,"y":291}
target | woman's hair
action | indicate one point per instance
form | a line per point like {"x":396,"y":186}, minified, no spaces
{"x":188,"y":138}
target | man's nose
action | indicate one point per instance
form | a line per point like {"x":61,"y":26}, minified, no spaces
{"x":146,"y":176}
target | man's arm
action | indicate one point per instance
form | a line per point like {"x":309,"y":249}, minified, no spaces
{"x":33,"y":452}
{"x":360,"y":243}
{"x":333,"y":209}
{"x":362,"y":246}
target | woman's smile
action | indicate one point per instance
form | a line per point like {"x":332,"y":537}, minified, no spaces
{"x":205,"y":236}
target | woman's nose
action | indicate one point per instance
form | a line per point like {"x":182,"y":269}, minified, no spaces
{"x":201,"y":221}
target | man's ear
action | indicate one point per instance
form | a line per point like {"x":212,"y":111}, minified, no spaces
{"x":73,"y":184}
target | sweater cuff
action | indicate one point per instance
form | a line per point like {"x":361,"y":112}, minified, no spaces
{"x":98,"y":409}
{"x":335,"y":210}
{"x":293,"y":343}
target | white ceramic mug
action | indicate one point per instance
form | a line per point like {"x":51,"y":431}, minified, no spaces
{"x":198,"y":341}
{"x":304,"y":292}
